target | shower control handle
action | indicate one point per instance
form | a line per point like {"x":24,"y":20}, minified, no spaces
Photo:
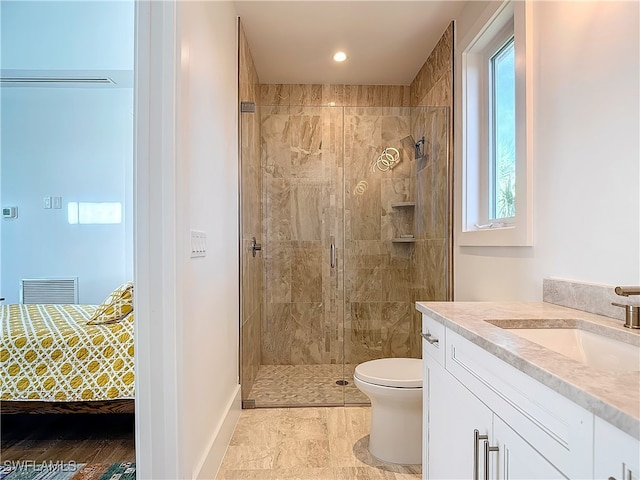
{"x":255,"y":247}
{"x":332,"y":252}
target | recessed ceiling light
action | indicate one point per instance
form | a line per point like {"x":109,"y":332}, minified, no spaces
{"x":340,"y":56}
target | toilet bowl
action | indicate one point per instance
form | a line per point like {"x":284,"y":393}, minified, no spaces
{"x":394,"y":386}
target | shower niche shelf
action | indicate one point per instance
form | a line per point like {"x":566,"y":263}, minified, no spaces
{"x":406,"y":207}
{"x":403,"y":240}
{"x":403,"y":204}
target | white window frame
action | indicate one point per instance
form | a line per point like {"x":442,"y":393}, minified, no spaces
{"x":490,"y":32}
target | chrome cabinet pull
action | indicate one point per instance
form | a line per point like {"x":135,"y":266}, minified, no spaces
{"x":429,"y":338}
{"x":332,"y":253}
{"x":476,"y":440}
{"x":487,"y":450}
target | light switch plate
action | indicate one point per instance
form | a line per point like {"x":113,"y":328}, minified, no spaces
{"x":46,"y":202}
{"x":57,"y":202}
{"x":198,"y":244}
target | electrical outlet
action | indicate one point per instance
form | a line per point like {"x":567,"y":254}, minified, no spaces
{"x":198,"y":244}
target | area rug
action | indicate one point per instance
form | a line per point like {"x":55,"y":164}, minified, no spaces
{"x":25,"y":470}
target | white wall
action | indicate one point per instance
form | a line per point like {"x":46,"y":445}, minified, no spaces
{"x":75,"y":143}
{"x":208,"y":195}
{"x":188,"y":396}
{"x":71,"y":35}
{"x":72,"y":142}
{"x":586,"y":156}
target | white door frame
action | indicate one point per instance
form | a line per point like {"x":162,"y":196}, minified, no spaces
{"x":157,"y":333}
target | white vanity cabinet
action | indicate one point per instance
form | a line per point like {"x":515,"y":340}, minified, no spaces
{"x":515,"y":459}
{"x":617,"y":455}
{"x":454,"y":415}
{"x":461,"y":427}
{"x":530,"y":431}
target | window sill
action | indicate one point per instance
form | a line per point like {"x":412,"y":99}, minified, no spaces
{"x":511,"y":236}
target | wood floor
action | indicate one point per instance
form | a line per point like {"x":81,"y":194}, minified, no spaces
{"x":81,"y":438}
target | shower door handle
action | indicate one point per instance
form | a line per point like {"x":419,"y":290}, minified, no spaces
{"x":332,"y":252}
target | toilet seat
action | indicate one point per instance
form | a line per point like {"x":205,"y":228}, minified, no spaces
{"x":391,"y":372}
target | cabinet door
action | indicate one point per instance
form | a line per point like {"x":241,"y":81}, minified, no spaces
{"x":515,"y":458}
{"x":617,"y":455}
{"x":452,"y":414}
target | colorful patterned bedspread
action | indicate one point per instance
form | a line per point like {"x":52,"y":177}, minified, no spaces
{"x":49,"y":353}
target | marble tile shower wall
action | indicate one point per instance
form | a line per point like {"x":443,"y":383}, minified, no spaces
{"x":303,"y":200}
{"x":377,"y":278}
{"x":336,"y":95}
{"x":433,"y":86}
{"x":251,"y":204}
{"x":307,"y":155}
{"x":430,"y":176}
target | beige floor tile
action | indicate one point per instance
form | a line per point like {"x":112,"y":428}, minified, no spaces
{"x":307,"y":443}
{"x":350,"y":422}
{"x":245,"y":475}
{"x":302,"y":453}
{"x":256,"y":429}
{"x":303,"y":474}
{"x":342,"y":455}
{"x":306,"y":412}
{"x":357,"y":421}
{"x":362,"y":473}
{"x":302,"y":429}
{"x":404,"y":472}
{"x":248,"y":457}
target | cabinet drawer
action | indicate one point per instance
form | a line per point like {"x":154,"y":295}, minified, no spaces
{"x":551,"y":423}
{"x":433,"y":333}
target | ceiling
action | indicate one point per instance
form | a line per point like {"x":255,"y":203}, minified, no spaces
{"x":387,"y":42}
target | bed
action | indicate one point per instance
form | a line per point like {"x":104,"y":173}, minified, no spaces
{"x":53,"y":360}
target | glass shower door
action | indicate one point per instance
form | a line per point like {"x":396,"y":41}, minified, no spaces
{"x":302,"y":334}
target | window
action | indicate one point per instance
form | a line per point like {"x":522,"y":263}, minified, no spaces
{"x":496,"y":128}
{"x":502,"y":111}
{"x":87,"y":213}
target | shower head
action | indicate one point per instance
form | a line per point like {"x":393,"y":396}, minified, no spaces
{"x":417,"y":147}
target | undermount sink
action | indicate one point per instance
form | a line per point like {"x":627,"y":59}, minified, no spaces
{"x":590,"y":348}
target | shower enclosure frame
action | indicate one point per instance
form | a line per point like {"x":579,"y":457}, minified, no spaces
{"x":400,"y":212}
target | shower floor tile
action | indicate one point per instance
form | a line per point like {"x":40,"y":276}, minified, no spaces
{"x":305,"y":385}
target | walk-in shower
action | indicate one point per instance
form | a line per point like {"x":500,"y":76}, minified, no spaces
{"x":352,"y":215}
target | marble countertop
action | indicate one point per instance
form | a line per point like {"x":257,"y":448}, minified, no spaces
{"x":614,"y":397}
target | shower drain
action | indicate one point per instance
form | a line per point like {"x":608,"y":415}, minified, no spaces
{"x":342,"y":382}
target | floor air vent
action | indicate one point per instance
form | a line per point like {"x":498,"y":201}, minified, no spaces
{"x":49,"y":290}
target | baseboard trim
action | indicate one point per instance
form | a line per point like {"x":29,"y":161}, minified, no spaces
{"x":210,"y":464}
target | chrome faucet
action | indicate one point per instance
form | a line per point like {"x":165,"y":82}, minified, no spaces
{"x":632,"y":312}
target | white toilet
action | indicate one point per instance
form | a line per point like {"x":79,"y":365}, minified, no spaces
{"x":394,"y":386}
